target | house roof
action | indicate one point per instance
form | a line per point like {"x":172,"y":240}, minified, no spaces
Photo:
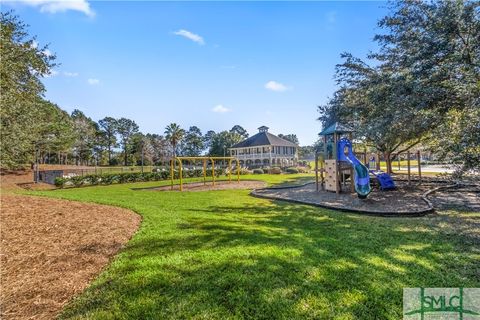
{"x":264,"y":138}
{"x":337,"y":127}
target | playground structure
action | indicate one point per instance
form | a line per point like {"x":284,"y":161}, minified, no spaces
{"x":338,"y":166}
{"x":205,"y":161}
{"x":338,"y":162}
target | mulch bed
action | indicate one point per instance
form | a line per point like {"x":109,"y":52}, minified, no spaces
{"x":219,"y":185}
{"x":52,"y":249}
{"x":405,"y":200}
{"x":464,"y":198}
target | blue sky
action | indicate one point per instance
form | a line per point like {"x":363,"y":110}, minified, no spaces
{"x":209,"y":64}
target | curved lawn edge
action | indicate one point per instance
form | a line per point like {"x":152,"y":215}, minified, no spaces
{"x":417,"y":213}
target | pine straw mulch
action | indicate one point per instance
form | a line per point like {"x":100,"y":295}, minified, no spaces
{"x":52,"y":249}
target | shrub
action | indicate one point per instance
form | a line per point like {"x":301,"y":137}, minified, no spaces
{"x":275,"y":170}
{"x":291,"y":170}
{"x":258,"y":171}
{"x":60,"y":182}
{"x":302,"y":170}
{"x":244,"y":171}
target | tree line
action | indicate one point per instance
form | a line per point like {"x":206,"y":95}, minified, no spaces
{"x":34,"y":129}
{"x":420,"y":87}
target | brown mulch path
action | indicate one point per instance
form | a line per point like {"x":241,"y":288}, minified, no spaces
{"x":51,"y":249}
{"x":219,"y":185}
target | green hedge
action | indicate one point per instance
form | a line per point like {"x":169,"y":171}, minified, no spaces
{"x":275,"y":170}
{"x":292,"y":170}
{"x":112,"y":178}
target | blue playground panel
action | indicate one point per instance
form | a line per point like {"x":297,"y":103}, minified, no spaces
{"x":384,"y":179}
{"x":361,"y":176}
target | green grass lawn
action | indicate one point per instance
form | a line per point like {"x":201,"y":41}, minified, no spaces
{"x":227,"y":255}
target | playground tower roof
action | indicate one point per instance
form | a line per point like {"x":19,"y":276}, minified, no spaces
{"x":337,"y":127}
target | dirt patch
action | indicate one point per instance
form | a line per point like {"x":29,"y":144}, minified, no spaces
{"x":219,"y":185}
{"x":9,"y":180}
{"x":51,"y":249}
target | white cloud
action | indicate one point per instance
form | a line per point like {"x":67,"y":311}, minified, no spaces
{"x":190,"y":35}
{"x":70,"y":74}
{"x":220,"y":109}
{"x":47,"y":52}
{"x":276,"y":86}
{"x":93,"y":81}
{"x":34,"y":44}
{"x":53,"y":73}
{"x":54,"y":6}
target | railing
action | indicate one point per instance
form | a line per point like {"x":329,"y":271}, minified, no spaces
{"x":263,"y":156}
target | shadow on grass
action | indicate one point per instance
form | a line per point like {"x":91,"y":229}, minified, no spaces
{"x":277,"y":260}
{"x":294,"y":181}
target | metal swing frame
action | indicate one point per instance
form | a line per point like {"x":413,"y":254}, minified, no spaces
{"x":212,"y":160}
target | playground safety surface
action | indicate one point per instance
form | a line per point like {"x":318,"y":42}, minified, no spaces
{"x":405,"y":200}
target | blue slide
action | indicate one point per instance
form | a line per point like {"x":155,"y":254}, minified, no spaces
{"x":384,"y":179}
{"x":361,"y":176}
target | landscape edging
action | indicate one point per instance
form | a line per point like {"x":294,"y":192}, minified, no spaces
{"x":419,"y":213}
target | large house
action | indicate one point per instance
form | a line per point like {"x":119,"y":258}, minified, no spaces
{"x":265,"y":149}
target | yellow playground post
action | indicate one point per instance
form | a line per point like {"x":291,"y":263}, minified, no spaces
{"x":180,"y":160}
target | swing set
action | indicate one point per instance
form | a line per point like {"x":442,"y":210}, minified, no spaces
{"x":205,"y":160}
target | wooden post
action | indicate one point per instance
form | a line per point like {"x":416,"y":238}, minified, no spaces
{"x":316,"y":170}
{"x":398,"y":159}
{"x":408,"y":164}
{"x":213,"y":172}
{"x":172,"y":164}
{"x":322,"y":172}
{"x":229,"y":170}
{"x":325,"y":152}
{"x":180,"y":175}
{"x":335,"y":156}
{"x":352,"y":180}
{"x":238,"y":170}
{"x":419,"y":166}
{"x":204,"y":171}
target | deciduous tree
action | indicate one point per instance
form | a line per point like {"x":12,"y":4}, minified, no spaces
{"x":108,"y":126}
{"x":126,"y":128}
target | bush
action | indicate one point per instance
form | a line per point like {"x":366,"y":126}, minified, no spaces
{"x":291,"y":170}
{"x":60,"y":182}
{"x":275,"y":170}
{"x":302,"y":170}
{"x":258,"y":171}
{"x":243,"y":171}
